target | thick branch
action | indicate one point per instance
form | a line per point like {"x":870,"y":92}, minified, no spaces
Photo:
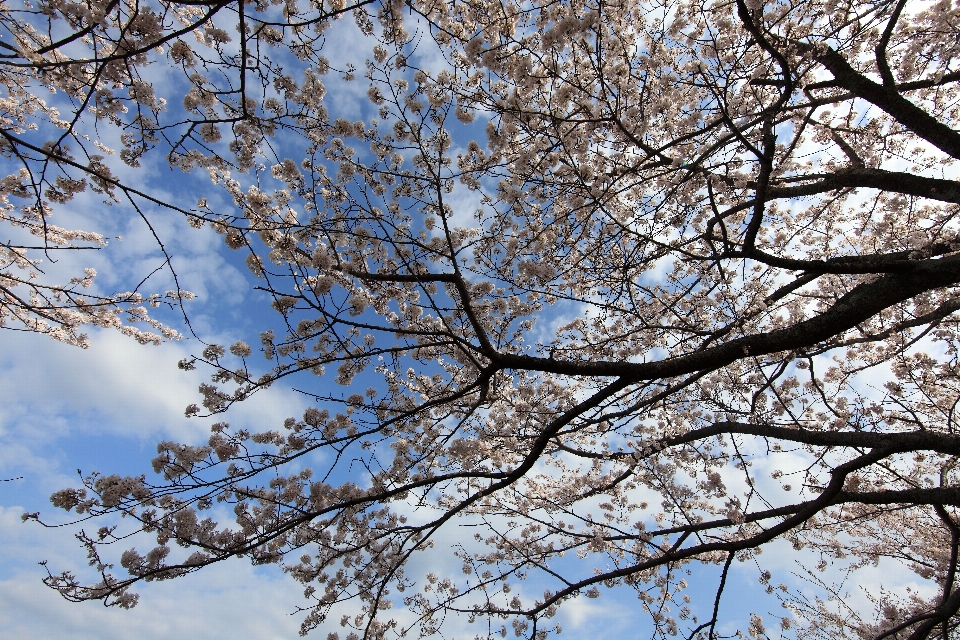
{"x":889,"y":100}
{"x":888,"y":181}
{"x":857,"y":306}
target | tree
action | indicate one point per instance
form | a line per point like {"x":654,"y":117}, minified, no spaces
{"x":700,"y":233}
{"x":53,"y":159}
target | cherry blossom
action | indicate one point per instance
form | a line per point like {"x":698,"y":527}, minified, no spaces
{"x":607,"y":285}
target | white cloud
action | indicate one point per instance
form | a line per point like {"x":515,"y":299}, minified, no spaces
{"x":125,"y":388}
{"x":234,"y":600}
{"x":576,"y":613}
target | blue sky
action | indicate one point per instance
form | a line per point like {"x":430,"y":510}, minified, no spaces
{"x":105,"y":408}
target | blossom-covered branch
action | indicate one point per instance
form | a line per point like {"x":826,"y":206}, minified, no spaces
{"x":608,"y":285}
